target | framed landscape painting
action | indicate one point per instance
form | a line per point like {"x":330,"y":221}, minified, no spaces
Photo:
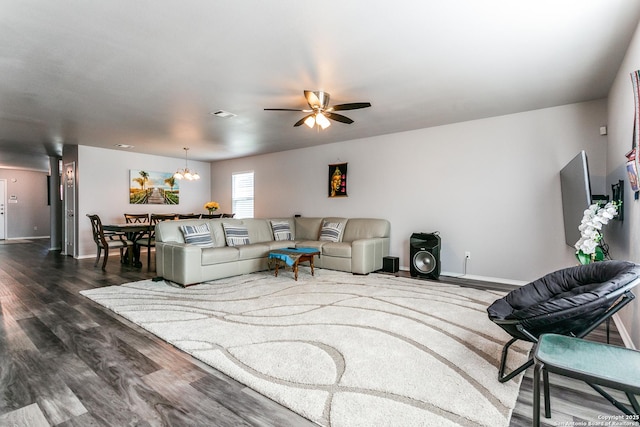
{"x":153,"y":188}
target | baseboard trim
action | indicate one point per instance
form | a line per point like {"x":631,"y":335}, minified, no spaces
{"x":479,"y":278}
{"x":28,"y":238}
{"x":486,"y":278}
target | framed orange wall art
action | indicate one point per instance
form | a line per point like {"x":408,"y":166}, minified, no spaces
{"x":338,"y":180}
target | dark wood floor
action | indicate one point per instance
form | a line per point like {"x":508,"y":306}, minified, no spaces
{"x":66,"y":361}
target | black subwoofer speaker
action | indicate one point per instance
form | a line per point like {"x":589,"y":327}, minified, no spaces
{"x":424,"y":249}
{"x":390,"y":264}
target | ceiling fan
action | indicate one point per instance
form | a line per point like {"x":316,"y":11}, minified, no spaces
{"x":320,"y":111}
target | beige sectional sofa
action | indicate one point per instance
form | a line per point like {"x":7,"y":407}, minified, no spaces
{"x":361,"y":244}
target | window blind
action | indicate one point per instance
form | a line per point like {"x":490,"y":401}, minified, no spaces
{"x":242,"y":194}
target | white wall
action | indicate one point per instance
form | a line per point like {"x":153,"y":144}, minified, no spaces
{"x":624,"y":237}
{"x":103,"y":188}
{"x":488,"y":186}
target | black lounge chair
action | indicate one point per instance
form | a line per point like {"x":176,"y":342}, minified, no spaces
{"x":572,"y":301}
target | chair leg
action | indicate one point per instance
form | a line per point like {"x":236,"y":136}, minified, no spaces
{"x":503,"y":364}
{"x":106,"y":257}
{"x":149,"y":258}
{"x":634,"y":403}
{"x":613,"y":400}
{"x":97,"y":256}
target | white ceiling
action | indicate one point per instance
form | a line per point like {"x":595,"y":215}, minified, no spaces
{"x":148,"y":73}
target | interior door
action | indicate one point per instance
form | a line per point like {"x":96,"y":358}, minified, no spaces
{"x":70,"y":208}
{"x":3,"y":213}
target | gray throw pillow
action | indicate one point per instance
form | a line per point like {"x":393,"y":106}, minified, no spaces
{"x":281,"y":230}
{"x":198,"y":235}
{"x":236,"y":235}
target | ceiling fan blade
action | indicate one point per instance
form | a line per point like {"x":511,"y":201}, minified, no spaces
{"x":350,"y":106}
{"x":301,"y":121}
{"x":282,"y":109}
{"x":338,"y":117}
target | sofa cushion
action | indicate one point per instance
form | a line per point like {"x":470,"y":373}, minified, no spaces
{"x":281,"y":230}
{"x":198,"y":235}
{"x":365,"y":228}
{"x":307,"y":228}
{"x":337,"y":249}
{"x":219,"y":255}
{"x":236,"y":234}
{"x":331,"y":231}
{"x":259,"y":229}
{"x":254,"y":250}
{"x":316,"y":244}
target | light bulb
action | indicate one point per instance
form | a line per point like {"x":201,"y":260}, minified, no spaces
{"x":322,"y":121}
{"x":310,"y":121}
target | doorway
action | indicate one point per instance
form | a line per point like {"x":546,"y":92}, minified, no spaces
{"x":69,"y":209}
{"x":3,"y":210}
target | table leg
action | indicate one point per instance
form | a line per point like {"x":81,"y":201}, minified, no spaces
{"x":277,"y":265}
{"x":547,"y":395}
{"x":311,"y":264}
{"x":136,"y":256}
{"x":536,"y":394}
{"x":295,"y":269}
{"x":132,"y":257}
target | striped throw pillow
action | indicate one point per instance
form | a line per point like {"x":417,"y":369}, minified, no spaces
{"x":235,"y":235}
{"x":331,"y":231}
{"x":198,"y":235}
{"x":281,"y":230}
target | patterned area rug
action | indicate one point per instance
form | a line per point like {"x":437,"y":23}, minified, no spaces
{"x":339,"y":349}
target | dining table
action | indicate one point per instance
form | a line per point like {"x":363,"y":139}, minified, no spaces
{"x":133,"y":231}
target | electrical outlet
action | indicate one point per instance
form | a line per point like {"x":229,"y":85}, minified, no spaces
{"x":467,"y":255}
{"x":35,"y":228}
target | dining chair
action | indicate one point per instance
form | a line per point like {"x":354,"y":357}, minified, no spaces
{"x":189,"y":216}
{"x":107,"y":240}
{"x":231,"y":215}
{"x":149,"y":240}
{"x":136,"y":218}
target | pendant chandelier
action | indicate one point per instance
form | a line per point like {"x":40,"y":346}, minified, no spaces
{"x":186,"y":173}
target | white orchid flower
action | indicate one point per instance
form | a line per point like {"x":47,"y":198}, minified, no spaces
{"x":590,"y":227}
{"x":588,"y":247}
{"x":594,"y":224}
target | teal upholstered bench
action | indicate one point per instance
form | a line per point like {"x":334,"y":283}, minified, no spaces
{"x":595,"y":363}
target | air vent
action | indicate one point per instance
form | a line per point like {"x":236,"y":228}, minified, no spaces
{"x":223,"y":114}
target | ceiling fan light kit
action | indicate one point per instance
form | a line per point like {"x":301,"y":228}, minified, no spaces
{"x":317,"y":119}
{"x":321,"y":112}
{"x":186,"y":173}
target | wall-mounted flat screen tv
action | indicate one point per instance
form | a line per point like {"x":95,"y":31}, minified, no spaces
{"x":576,"y":195}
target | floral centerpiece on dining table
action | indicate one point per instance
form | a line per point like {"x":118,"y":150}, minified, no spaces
{"x":591,"y":246}
{"x":212,"y":207}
